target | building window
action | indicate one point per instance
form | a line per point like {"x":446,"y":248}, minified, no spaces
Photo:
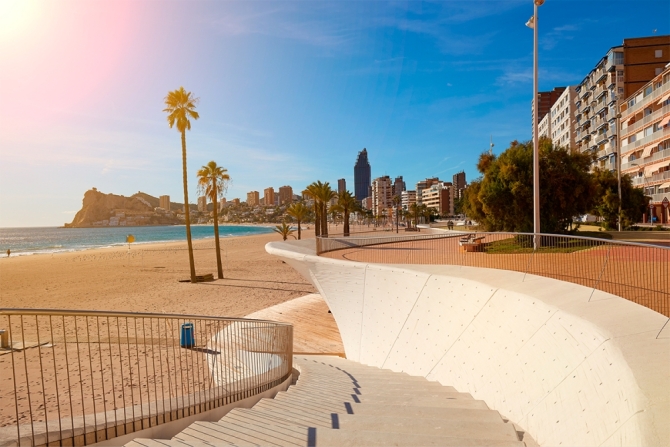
{"x":657,"y":71}
{"x":648,"y":90}
{"x":658,"y":53}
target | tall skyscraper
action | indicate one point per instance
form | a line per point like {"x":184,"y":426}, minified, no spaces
{"x":341,"y":186}
{"x":398,"y":186}
{"x":362,"y":175}
{"x":459,"y":184}
{"x":269,"y":196}
{"x":202,"y":204}
{"x":382,"y":195}
{"x":164,"y":202}
{"x":285,"y":195}
{"x":253,"y":198}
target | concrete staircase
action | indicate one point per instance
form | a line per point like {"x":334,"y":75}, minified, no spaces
{"x":337,"y":402}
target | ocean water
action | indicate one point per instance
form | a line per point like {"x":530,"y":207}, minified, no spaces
{"x":36,"y":240}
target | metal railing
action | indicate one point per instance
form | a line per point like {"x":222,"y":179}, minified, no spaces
{"x":637,"y":272}
{"x":81,"y":377}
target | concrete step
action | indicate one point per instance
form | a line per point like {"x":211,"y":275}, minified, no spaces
{"x":356,"y":438}
{"x":286,"y":415}
{"x":465,"y":414}
{"x":497,"y":430}
{"x":329,"y":406}
{"x":382,"y":385}
{"x":241,"y":433}
{"x":373,"y":396}
{"x":397,"y":401}
{"x":404,"y":391}
{"x":144,"y":442}
{"x":195,"y":438}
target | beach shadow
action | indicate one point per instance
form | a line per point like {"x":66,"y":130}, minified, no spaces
{"x":262,"y":280}
{"x":204,"y":350}
{"x":255,"y":287}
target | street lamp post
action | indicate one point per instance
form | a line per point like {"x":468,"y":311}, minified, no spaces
{"x":618,"y":163}
{"x":533,"y":23}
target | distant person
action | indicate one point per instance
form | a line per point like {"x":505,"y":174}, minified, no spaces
{"x":8,"y":252}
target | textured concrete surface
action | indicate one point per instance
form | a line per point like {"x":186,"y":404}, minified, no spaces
{"x":328,"y":406}
{"x":569,"y":364}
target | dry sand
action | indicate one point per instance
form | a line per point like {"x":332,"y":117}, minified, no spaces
{"x":146,"y":279}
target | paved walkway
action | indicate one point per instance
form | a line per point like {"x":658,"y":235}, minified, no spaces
{"x":336,"y":402}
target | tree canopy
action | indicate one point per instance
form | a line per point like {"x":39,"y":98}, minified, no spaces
{"x":502,"y":199}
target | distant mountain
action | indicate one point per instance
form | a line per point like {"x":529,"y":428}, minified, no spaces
{"x":154,"y":201}
{"x":100,"y":209}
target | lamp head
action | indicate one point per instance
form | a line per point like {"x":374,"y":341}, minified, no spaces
{"x":538,"y":2}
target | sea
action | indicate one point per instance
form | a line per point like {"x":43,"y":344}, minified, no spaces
{"x":44,"y":240}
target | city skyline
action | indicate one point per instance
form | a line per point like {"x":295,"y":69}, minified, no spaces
{"x":294,"y":92}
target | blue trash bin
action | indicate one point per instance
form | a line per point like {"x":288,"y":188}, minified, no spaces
{"x":187,"y":339}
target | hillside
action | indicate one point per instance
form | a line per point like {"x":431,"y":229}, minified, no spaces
{"x":100,"y":209}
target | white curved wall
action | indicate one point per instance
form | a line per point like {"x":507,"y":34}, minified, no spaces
{"x":570,"y":365}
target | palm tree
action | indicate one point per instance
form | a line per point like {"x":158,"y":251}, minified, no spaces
{"x":325,"y":194}
{"x":346,"y":203}
{"x":396,"y":205}
{"x":284,"y":230}
{"x":313,"y":191}
{"x":299,"y":212}
{"x":212,"y":180}
{"x":180,"y":106}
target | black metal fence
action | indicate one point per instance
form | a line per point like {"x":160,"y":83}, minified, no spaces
{"x":78,"y":377}
{"x":637,"y":272}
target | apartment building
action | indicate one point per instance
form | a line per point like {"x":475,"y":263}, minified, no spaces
{"x":341,"y":185}
{"x":202,"y":204}
{"x":561,"y":119}
{"x":544,"y":126}
{"x":544,"y":102}
{"x":164,"y":202}
{"x":285,"y":195}
{"x":424,"y":184}
{"x":459,"y":183}
{"x":398,"y":186}
{"x":269,"y":196}
{"x":596,"y":100}
{"x":253,"y":198}
{"x":382,"y":195}
{"x":645,"y":142}
{"x":407,"y":198}
{"x":644,"y":58}
{"x":222,"y":203}
{"x":439,"y":196}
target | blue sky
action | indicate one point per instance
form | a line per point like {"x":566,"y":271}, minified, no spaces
{"x":289,"y":91}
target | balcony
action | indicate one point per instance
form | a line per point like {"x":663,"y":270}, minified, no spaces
{"x":638,"y":125}
{"x":585,"y":94}
{"x":655,"y":96}
{"x":658,"y":135}
{"x":639,"y":181}
{"x":658,"y":198}
{"x":658,"y":156}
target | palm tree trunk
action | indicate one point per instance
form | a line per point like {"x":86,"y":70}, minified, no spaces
{"x":187,"y":212}
{"x":298,"y":229}
{"x":219,"y":267}
{"x":346,"y":222}
{"x":324,"y":219}
{"x":317,"y":218}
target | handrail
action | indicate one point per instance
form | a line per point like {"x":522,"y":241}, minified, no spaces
{"x":77,"y":377}
{"x":639,"y":272}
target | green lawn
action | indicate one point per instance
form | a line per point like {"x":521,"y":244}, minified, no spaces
{"x":524,"y":244}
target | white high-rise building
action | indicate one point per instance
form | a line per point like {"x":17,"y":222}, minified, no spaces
{"x":407,"y":199}
{"x":382,"y":195}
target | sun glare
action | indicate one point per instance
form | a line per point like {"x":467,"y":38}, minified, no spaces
{"x":15,"y":16}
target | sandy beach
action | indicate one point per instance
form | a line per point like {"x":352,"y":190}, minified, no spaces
{"x":146,"y":279}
